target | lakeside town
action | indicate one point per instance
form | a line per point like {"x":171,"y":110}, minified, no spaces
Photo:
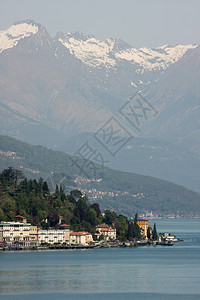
{"x":31,"y":217}
{"x":20,"y":235}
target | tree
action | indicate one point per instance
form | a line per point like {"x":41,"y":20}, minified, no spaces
{"x":76,"y":194}
{"x":40,"y":184}
{"x":96,"y":207}
{"x":24,"y":186}
{"x":61,"y":192}
{"x":45,"y":188}
{"x":12,"y":176}
{"x":92,"y":217}
{"x":148,"y":232}
{"x":18,"y":175}
{"x":53,"y":218}
{"x":154,"y":233}
{"x":121,"y":226}
{"x":8,"y":175}
{"x":82,"y":208}
{"x":137,"y":232}
{"x":2,"y":217}
{"x":2,"y":180}
{"x":130,"y":231}
{"x":136,"y":218}
{"x":35,"y":186}
{"x":57,"y":192}
{"x":133,"y":231}
{"x":30,"y":186}
{"x":109,"y":217}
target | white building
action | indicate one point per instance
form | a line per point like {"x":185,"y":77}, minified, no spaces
{"x":106,"y":231}
{"x":80,"y":238}
{"x":13,"y":232}
{"x":51,"y":236}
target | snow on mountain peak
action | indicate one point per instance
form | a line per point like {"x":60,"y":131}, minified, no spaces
{"x":95,"y":53}
{"x":158,"y":58}
{"x":10,"y":37}
{"x":90,"y":50}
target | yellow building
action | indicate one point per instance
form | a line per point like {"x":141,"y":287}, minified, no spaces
{"x":66,"y":229}
{"x":143,"y":224}
{"x":33,"y":235}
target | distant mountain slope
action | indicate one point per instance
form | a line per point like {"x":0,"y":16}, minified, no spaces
{"x":40,"y":89}
{"x":56,"y":88}
{"x":177,"y":97}
{"x":121,"y":191}
{"x":148,"y":156}
{"x":72,"y":83}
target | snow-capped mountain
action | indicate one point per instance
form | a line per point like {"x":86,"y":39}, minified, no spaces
{"x":108,"y":53}
{"x":9,"y":38}
{"x":59,"y":73}
{"x":22,"y":32}
{"x":57,"y":87}
{"x":95,"y":53}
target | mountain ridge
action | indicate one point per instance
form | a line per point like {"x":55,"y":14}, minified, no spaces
{"x":122,"y":191}
{"x":96,"y":48}
{"x":48,"y":91}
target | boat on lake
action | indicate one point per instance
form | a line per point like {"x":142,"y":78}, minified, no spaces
{"x":166,"y":243}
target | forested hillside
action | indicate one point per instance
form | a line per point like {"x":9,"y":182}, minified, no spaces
{"x":120,"y":191}
{"x":32,"y":200}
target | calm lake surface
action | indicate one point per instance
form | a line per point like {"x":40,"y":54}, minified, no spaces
{"x":152,"y":272}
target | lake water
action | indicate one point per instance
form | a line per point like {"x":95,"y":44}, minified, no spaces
{"x":152,"y":272}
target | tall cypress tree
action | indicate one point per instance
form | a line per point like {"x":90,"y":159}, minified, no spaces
{"x":148,"y":233}
{"x":130,"y":231}
{"x":154,"y":233}
{"x":45,"y":187}
{"x":136,"y":218}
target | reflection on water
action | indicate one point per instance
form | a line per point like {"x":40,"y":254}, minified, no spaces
{"x":144,"y":270}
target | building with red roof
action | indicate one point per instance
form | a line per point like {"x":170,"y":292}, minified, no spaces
{"x":80,"y":238}
{"x":106,"y":231}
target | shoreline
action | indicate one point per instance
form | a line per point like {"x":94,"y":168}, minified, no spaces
{"x":90,"y":247}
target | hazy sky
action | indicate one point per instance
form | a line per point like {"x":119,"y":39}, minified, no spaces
{"x":148,"y":23}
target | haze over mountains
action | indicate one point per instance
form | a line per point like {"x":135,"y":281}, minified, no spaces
{"x":120,"y":191}
{"x":63,"y":89}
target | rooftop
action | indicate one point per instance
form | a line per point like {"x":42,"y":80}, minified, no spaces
{"x":102,"y":226}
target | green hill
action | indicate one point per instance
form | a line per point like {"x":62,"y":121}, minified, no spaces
{"x":123,"y":192}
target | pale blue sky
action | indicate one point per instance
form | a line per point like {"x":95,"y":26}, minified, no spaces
{"x":149,"y":23}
